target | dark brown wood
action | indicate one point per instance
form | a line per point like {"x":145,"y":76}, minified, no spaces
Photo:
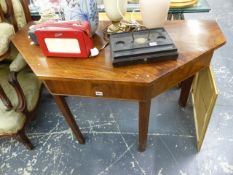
{"x":96,"y":77}
{"x":22,"y":138}
{"x":69,"y":118}
{"x":20,"y":135}
{"x":11,"y":14}
{"x":1,"y":14}
{"x":5,"y":99}
{"x":144,"y":114}
{"x":26,"y":10}
{"x":22,"y":103}
{"x":185,"y":90}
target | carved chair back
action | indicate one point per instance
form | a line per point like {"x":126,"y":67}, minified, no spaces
{"x":2,"y":18}
{"x":13,"y":16}
{"x":16,"y":12}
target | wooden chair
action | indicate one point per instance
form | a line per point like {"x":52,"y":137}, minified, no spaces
{"x":1,"y":14}
{"x":19,"y":87}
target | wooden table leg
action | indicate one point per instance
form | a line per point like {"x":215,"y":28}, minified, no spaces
{"x":185,"y":90}
{"x":144,"y":114}
{"x":60,"y":101}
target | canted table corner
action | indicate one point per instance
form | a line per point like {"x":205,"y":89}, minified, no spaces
{"x":196,"y":41}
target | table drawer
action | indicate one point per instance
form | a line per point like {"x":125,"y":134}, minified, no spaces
{"x":97,"y":89}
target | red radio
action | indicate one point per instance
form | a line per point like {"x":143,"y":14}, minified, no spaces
{"x":64,"y":39}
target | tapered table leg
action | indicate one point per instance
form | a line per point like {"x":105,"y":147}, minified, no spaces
{"x":185,"y":90}
{"x":144,"y":114}
{"x":60,"y":101}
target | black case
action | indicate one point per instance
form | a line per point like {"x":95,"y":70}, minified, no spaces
{"x":142,"y":46}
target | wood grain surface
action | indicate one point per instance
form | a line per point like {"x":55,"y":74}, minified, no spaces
{"x":192,"y":38}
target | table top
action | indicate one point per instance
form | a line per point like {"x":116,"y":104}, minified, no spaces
{"x":201,"y":6}
{"x":193,"y":38}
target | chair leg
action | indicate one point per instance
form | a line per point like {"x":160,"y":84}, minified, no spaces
{"x":22,"y":138}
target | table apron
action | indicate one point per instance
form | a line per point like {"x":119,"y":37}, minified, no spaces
{"x":182,"y":73}
{"x":128,"y":91}
{"x":97,"y":89}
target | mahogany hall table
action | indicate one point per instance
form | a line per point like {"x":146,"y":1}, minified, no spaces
{"x":196,"y":41}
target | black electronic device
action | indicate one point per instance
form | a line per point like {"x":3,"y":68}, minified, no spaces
{"x":142,"y":46}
